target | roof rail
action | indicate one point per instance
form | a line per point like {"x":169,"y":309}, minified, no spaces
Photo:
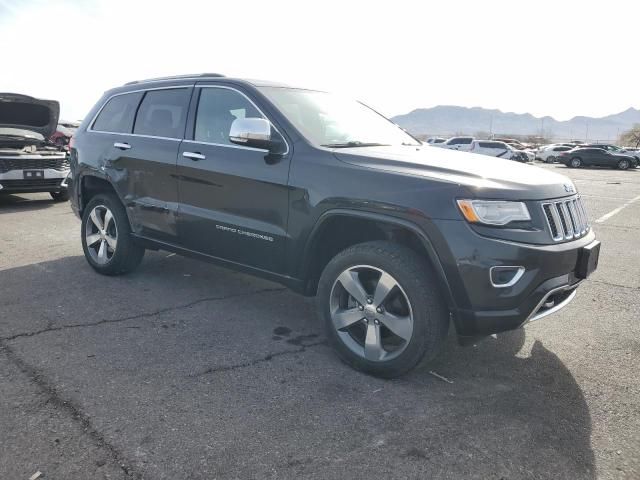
{"x":174,"y":77}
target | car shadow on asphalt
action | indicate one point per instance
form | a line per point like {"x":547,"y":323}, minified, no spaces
{"x":524,"y":411}
{"x":15,"y":203}
{"x":527,"y":409}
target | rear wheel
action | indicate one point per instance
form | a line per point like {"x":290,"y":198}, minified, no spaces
{"x":575,"y":162}
{"x":382,"y":309}
{"x":61,"y":196}
{"x":623,"y":164}
{"x":106,"y":237}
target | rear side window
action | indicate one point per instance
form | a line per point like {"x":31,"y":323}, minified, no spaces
{"x":562,"y":149}
{"x":217,"y":109}
{"x":163,"y":113}
{"x":461,"y":141}
{"x":493,"y":145}
{"x":117,"y":115}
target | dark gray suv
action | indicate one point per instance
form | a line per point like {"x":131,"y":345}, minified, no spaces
{"x":324,"y":195}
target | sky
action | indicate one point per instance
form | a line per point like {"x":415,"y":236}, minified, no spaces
{"x":561,"y":58}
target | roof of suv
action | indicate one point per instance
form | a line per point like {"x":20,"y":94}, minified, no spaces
{"x":201,"y":77}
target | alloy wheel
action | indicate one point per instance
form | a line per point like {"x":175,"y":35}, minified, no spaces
{"x":371,"y":313}
{"x":101,"y":234}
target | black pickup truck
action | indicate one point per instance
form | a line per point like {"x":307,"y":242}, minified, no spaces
{"x":322,"y":194}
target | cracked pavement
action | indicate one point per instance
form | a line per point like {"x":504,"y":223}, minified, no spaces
{"x":183,"y":370}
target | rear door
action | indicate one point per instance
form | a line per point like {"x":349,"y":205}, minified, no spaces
{"x":148,"y":159}
{"x":233,"y":199}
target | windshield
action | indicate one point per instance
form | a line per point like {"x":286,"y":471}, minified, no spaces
{"x":329,"y":120}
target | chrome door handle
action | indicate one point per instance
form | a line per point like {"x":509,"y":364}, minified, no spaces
{"x":195,"y":156}
{"x":122,"y":146}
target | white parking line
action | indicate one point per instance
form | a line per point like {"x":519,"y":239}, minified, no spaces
{"x":607,"y":216}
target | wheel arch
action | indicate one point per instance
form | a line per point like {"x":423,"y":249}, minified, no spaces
{"x":90,"y":185}
{"x":376,"y":227}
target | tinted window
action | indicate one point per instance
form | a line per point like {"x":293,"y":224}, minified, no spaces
{"x":217,"y":109}
{"x":460,"y":141}
{"x":562,"y":149}
{"x":494,"y":145}
{"x":163,"y":113}
{"x":117,"y":115}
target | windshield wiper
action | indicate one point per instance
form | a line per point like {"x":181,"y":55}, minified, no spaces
{"x":354,"y":144}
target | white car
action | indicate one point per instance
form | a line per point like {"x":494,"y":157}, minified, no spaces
{"x":435,"y":140}
{"x":550,"y":154}
{"x":492,"y":148}
{"x":457,"y":143}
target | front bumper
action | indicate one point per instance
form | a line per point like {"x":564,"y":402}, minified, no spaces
{"x":548,"y":283}
{"x":14,"y":181}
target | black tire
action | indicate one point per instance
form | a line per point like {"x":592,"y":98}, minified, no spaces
{"x":624,"y":164}
{"x":127,"y":255}
{"x":61,"y":196}
{"x":550,"y":159}
{"x":418,"y":285}
{"x":575,"y":162}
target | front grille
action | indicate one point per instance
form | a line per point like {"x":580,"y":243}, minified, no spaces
{"x":567,"y":218}
{"x":40,"y":182}
{"x":8,"y":164}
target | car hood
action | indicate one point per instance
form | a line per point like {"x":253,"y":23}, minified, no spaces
{"x":21,"y":112}
{"x":484,"y":176}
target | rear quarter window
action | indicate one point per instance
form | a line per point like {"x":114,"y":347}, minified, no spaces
{"x":163,"y":113}
{"x":118,"y":113}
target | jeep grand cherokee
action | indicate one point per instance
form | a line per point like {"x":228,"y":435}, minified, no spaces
{"x":324,"y":195}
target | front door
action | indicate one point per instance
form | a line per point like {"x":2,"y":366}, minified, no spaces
{"x":233,"y":200}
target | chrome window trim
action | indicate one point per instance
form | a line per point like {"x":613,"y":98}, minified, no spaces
{"x":193,"y":85}
{"x":173,"y":139}
{"x":93,"y":120}
{"x":263,"y":150}
{"x":226,"y":87}
{"x":516,"y":278}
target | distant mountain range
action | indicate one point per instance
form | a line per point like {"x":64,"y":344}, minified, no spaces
{"x":446,"y":120}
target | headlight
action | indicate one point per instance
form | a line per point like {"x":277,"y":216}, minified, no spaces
{"x":493,"y":212}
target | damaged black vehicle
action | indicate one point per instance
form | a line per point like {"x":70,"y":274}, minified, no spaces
{"x":29,"y":162}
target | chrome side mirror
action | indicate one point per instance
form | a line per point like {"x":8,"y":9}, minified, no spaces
{"x":251,"y":132}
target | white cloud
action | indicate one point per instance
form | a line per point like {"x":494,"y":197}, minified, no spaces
{"x":561,"y":58}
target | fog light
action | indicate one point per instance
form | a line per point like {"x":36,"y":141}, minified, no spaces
{"x":505,"y":276}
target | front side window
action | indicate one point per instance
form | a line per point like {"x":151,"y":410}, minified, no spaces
{"x":163,"y":113}
{"x":217,"y":109}
{"x":117,"y":115}
{"x":327,"y":119}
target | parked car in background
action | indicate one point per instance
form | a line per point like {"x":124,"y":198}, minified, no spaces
{"x":495,"y":149}
{"x":63,"y":133}
{"x":525,"y":148}
{"x":614,"y":149}
{"x":435,"y":140}
{"x":457,"y":143}
{"x":28,"y":161}
{"x":587,"y":156}
{"x":550,"y":155}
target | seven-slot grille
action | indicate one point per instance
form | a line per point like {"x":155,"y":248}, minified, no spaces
{"x":60,"y":164}
{"x":567,"y":218}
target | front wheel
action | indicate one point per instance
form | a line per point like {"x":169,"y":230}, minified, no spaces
{"x":623,"y":164}
{"x":106,"y":237}
{"x":551,"y":159}
{"x":382,"y":309}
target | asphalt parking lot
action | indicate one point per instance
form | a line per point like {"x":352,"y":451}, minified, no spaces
{"x":183,"y":370}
